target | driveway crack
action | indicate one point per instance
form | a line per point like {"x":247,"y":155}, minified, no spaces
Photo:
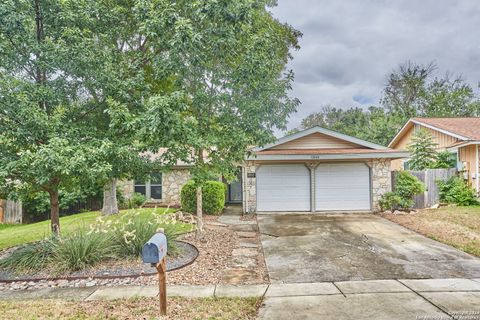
{"x":424,"y":298}
{"x":335,"y":285}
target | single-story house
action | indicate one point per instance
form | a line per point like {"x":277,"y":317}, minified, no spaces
{"x":461,"y":136}
{"x":312,"y":170}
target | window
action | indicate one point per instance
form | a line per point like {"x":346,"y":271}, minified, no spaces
{"x":152,"y":188}
{"x":156,"y":186}
{"x":140,"y":187}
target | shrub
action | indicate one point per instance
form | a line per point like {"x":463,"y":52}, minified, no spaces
{"x":82,"y":250}
{"x":131,"y":232}
{"x":407,"y":185}
{"x":456,"y":191}
{"x":30,"y":257}
{"x":445,"y":160}
{"x":213,"y":197}
{"x":390,"y":201}
{"x":136,"y":201}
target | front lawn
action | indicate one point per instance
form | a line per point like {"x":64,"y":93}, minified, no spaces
{"x":20,"y":234}
{"x":455,"y":226}
{"x":139,"y":308}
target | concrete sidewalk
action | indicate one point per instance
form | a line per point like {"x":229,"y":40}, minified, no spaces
{"x":372,"y":299}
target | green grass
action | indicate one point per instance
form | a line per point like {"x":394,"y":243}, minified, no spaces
{"x":6,"y":226}
{"x":14,"y":235}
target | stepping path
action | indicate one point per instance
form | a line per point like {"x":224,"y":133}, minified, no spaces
{"x":246,"y":257}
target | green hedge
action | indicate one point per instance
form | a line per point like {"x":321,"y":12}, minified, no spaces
{"x":213,"y":197}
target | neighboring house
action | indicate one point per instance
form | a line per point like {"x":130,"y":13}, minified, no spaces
{"x":312,"y":170}
{"x":461,"y":136}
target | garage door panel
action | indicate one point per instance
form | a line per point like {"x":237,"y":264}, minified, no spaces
{"x":342,"y":186}
{"x":283,"y":188}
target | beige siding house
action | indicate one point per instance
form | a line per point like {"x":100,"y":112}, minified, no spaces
{"x":315,"y":170}
{"x":458,"y":135}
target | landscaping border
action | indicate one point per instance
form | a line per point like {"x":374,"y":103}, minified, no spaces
{"x":105,"y":277}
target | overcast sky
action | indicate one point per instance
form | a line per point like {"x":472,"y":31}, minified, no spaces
{"x":350,"y":46}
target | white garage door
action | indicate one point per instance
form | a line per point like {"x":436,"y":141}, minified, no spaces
{"x":342,"y":186}
{"x":283,"y":187}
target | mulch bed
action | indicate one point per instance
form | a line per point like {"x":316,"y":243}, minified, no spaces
{"x":215,"y":256}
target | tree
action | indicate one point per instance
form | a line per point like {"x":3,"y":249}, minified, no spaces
{"x":406,"y":89}
{"x":412,"y":90}
{"x":45,"y":144}
{"x":114,"y":71}
{"x":422,"y":150}
{"x":228,"y":61}
{"x":450,"y":97}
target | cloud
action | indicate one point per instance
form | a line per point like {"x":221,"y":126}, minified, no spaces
{"x":349,"y":47}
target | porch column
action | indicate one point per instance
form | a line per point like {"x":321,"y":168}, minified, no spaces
{"x":476,"y":169}
{"x":311,"y":167}
{"x":250,"y":183}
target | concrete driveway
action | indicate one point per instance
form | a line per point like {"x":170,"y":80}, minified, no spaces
{"x":303,"y":248}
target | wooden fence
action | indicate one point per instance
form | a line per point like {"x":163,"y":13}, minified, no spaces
{"x":10,"y":211}
{"x":429,"y":177}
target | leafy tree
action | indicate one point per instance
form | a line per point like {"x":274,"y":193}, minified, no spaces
{"x":445,"y":97}
{"x":44,"y":143}
{"x":412,"y":90}
{"x":422,"y":150}
{"x":406,"y":89}
{"x":114,"y":70}
{"x":228,"y":61}
{"x":375,"y":124}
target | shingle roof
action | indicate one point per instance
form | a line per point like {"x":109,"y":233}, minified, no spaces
{"x":466,"y":127}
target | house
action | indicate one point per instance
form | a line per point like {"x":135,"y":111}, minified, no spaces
{"x":312,"y":170}
{"x":461,"y":136}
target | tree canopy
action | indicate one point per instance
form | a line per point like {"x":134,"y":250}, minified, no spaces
{"x":412,"y":90}
{"x":228,"y":64}
{"x":87,"y":86}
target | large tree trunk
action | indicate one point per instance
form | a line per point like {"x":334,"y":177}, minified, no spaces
{"x":54,"y":212}
{"x":110,"y":204}
{"x":199,"y":234}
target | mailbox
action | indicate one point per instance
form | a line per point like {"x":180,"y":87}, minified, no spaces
{"x":155,"y":249}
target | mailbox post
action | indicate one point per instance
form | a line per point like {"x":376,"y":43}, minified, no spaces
{"x":155,"y":253}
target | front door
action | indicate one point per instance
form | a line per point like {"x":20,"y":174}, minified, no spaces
{"x":235,"y":190}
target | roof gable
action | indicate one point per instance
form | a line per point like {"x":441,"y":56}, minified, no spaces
{"x":459,"y":128}
{"x":318,"y":138}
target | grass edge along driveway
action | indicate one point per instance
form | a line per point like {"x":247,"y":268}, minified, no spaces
{"x":14,"y":235}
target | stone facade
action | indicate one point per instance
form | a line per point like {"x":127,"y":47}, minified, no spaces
{"x":381,"y":180}
{"x":172,"y":183}
{"x":126,"y":187}
{"x":250,"y":188}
